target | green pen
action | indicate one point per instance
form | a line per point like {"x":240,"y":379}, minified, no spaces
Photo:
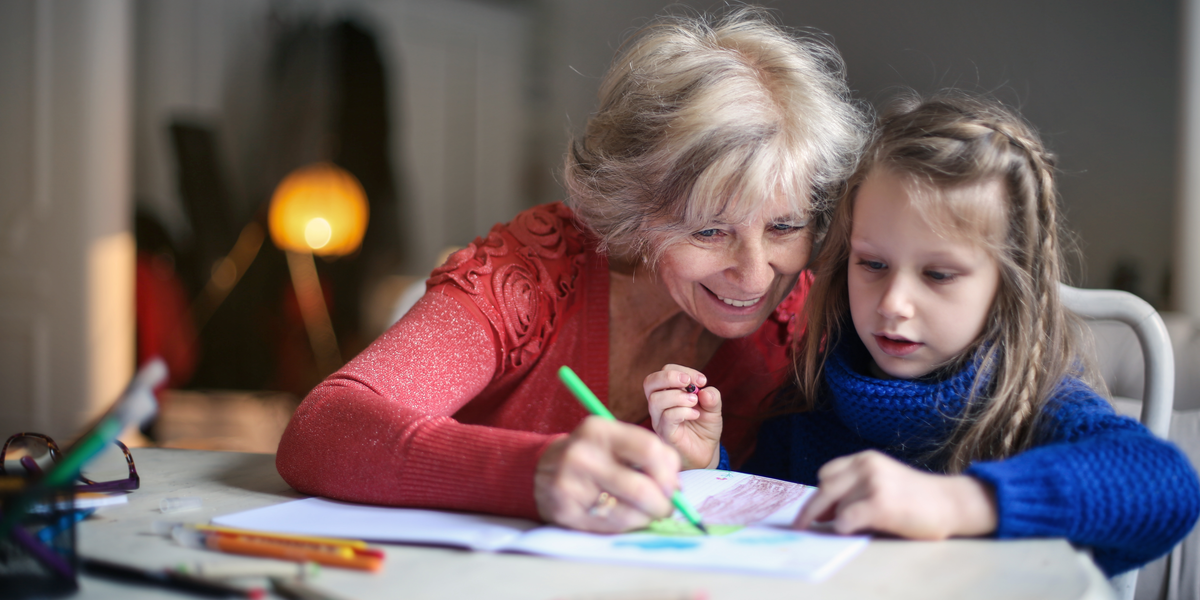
{"x":594,"y":406}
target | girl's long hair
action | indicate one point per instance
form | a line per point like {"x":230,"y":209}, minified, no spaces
{"x":1029,"y":342}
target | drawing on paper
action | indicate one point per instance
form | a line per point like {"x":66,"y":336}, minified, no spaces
{"x":750,"y":501}
{"x":661,"y":543}
{"x":769,"y":539}
{"x":680,"y":528}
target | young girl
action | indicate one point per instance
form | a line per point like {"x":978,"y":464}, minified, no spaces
{"x":941,"y":392}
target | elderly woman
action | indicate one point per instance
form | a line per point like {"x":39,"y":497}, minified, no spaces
{"x":694,"y":198}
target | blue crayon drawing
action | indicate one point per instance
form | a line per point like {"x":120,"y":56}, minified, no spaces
{"x":662,"y":543}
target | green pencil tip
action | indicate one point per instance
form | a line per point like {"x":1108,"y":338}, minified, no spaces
{"x":701,"y":527}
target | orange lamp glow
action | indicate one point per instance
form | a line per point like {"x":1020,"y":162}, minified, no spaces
{"x":320,"y":208}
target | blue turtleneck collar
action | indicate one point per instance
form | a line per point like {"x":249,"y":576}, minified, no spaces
{"x":908,"y":416}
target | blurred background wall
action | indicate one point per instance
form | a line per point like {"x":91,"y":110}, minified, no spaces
{"x":483,"y":93}
{"x":455,"y":114}
{"x":66,"y":249}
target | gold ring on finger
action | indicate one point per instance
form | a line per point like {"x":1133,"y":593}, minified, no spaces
{"x":603,"y":505}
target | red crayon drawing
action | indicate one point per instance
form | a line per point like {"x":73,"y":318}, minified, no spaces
{"x":750,"y":501}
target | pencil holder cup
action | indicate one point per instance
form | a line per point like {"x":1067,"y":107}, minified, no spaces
{"x":37,"y":547}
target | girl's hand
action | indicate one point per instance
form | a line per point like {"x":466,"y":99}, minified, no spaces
{"x":686,"y":415}
{"x":871,"y":491}
{"x":606,"y":477}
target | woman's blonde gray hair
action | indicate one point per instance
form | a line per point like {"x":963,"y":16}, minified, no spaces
{"x":1030,"y":342}
{"x":709,"y":115}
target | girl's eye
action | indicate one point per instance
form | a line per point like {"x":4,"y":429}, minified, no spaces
{"x":939,"y":276}
{"x":872,"y":265}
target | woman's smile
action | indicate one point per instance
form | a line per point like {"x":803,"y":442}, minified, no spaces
{"x":740,"y":303}
{"x":734,"y":302}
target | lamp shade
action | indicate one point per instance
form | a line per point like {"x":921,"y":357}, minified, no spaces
{"x":320,"y":208}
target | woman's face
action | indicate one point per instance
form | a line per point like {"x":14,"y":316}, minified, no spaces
{"x":729,"y":277}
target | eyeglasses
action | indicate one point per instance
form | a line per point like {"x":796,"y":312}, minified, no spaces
{"x":34,"y":450}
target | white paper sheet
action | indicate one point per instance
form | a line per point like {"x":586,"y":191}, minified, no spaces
{"x":328,"y":518}
{"x":766,"y":546}
{"x":759,"y":550}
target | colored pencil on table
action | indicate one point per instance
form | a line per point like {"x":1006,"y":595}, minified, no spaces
{"x":261,"y":545}
{"x":170,"y":579}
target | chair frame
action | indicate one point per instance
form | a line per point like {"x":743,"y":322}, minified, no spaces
{"x":1158,"y":395}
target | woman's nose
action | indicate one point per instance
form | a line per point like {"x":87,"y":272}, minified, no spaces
{"x":752,"y":266}
{"x":896,"y":301}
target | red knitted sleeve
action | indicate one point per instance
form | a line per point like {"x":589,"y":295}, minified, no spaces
{"x":380,"y":431}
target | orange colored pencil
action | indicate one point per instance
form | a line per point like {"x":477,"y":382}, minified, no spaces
{"x":300,"y":552}
{"x":324,"y":541}
{"x":347,"y":547}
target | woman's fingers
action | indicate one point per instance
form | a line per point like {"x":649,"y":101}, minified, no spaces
{"x":606,"y":476}
{"x":613,"y":515}
{"x":641,"y":473}
{"x":635,"y":447}
{"x":557,"y":489}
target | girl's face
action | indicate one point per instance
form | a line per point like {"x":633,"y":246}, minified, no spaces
{"x":918,"y":296}
{"x":729,"y":277}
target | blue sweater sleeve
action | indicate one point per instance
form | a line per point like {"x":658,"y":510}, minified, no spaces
{"x":1099,"y":480}
{"x":723,"y":461}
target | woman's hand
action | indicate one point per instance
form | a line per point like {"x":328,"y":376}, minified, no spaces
{"x":607,"y":477}
{"x":871,"y":491}
{"x":686,"y":415}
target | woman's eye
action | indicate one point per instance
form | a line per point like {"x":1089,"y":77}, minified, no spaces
{"x":708,"y":233}
{"x":787,"y":227}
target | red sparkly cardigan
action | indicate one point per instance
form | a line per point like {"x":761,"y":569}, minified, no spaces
{"x":453,"y":406}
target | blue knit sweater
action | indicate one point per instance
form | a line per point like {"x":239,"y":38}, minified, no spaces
{"x":1095,"y":478}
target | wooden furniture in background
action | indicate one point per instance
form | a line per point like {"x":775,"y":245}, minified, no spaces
{"x":223,"y":420}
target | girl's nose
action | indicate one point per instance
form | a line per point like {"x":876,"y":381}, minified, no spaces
{"x":896,"y":302}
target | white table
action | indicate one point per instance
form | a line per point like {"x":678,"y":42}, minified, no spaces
{"x":232,"y":482}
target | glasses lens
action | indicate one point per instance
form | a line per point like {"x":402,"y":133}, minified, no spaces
{"x":26,"y":446}
{"x":109,"y":465}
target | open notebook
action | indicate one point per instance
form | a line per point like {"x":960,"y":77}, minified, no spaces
{"x":765,"y":546}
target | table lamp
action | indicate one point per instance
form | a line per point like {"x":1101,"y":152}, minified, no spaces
{"x":317,"y":209}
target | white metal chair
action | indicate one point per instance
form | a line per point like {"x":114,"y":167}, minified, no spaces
{"x":1158,"y":397}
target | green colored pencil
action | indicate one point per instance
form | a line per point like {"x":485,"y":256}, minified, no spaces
{"x":594,"y":406}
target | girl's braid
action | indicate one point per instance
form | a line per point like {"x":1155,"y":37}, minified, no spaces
{"x":1040,"y":251}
